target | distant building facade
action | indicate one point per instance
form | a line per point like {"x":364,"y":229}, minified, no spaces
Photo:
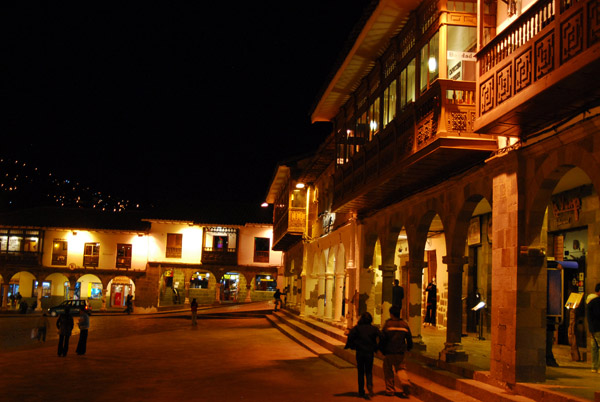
{"x":51,"y":255}
{"x":462,"y":152}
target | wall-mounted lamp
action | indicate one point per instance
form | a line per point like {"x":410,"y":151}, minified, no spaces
{"x":264,"y":205}
{"x":300,"y":185}
{"x":140,"y":235}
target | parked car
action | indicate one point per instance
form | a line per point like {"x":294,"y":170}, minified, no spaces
{"x":74,"y":305}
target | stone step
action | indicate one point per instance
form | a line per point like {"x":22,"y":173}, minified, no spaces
{"x":429,"y":382}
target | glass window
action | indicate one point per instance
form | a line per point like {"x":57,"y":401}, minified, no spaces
{"x":174,"y":245}
{"x":299,"y":198}
{"x":46,"y":287}
{"x":389,"y":103}
{"x":362,"y":128}
{"x":199,"y":280}
{"x":462,"y":43}
{"x":95,"y":290}
{"x":407,"y":85}
{"x":374,"y":114}
{"x":430,"y":62}
{"x":261,"y":249}
{"x":266,"y":283}
{"x":91,"y":254}
{"x":124,"y":255}
{"x":220,"y":239}
{"x":59,"y":252}
{"x":14,"y":243}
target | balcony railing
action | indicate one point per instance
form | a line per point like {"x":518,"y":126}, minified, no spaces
{"x":431,"y":139}
{"x":224,"y":257}
{"x":17,"y":258}
{"x":533,"y":72}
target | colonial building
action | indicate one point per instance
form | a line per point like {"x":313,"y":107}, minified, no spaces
{"x":49,"y":255}
{"x":465,"y":149}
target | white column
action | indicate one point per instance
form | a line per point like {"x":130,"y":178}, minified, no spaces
{"x":338,"y":296}
{"x":320,"y":292}
{"x":40,"y":288}
{"x":328,"y":299}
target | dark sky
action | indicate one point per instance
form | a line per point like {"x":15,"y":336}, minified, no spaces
{"x":169,"y":100}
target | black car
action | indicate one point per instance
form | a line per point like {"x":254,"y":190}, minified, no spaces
{"x":74,"y":305}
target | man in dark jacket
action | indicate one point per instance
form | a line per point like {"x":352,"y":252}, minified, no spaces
{"x":593,"y":317}
{"x":64,"y":323}
{"x":363,"y":337}
{"x":396,"y":341}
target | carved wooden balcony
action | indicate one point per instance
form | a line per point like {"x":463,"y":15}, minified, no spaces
{"x":541,"y":69}
{"x":431,"y":140}
{"x":289,"y":228}
{"x":20,"y":259}
{"x":221,"y":257}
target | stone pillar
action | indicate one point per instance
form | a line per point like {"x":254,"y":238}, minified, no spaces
{"x":104,"y":295}
{"x":303,"y":296}
{"x":40,"y":289}
{"x":329,"y":296}
{"x":71,"y":294}
{"x":338,"y":296}
{"x":187,"y":277}
{"x":388,"y":275}
{"x":248,"y":290}
{"x":5,"y":305}
{"x":519,"y":291}
{"x":453,"y":348}
{"x":321,"y":295}
{"x":351,"y":295}
{"x":405,"y":284}
{"x":218,"y":292}
{"x":415,"y":297}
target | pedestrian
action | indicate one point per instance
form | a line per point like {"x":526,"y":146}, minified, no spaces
{"x":593,"y":318}
{"x":396,"y":341}
{"x":431,"y":312}
{"x":277,"y":297}
{"x":42,"y":327}
{"x":194,"y":307}
{"x":397,"y":294}
{"x":84,"y":326}
{"x":129,"y":304}
{"x":64,"y":323}
{"x":364,"y":339}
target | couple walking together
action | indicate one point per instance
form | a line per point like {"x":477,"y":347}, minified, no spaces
{"x":395,"y":339}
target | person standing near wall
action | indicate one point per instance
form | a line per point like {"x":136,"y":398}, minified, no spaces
{"x":431,"y":312}
{"x":593,"y":317}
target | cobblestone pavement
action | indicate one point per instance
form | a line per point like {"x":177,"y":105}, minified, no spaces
{"x":163,"y":358}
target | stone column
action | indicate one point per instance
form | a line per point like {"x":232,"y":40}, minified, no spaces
{"x":329,"y":296}
{"x":104,"y":295}
{"x":388,"y":273}
{"x":218,"y":292}
{"x":414,"y":298}
{"x":321,"y":295}
{"x":5,"y":305}
{"x":40,"y":289}
{"x":338,"y":296}
{"x":187,"y":277}
{"x":351,"y":295}
{"x":303,"y":295}
{"x":248,"y":290}
{"x":453,"y":348}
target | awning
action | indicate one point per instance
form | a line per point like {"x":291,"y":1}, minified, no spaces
{"x":563,"y":264}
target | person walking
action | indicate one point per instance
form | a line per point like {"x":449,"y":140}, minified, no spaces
{"x":364,"y":339}
{"x":431,"y":311}
{"x":129,"y":304}
{"x":84,"y":326}
{"x":64,"y":323}
{"x":593,"y":318}
{"x":396,"y":341}
{"x":194,"y":308}
{"x":42,"y":327}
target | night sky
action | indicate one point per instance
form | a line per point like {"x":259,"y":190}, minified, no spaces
{"x":169,"y":100}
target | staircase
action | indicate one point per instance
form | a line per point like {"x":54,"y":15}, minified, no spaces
{"x":430,"y":380}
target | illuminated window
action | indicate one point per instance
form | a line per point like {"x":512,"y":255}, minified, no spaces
{"x":462,"y":43}
{"x":389,"y":103}
{"x":220,"y":239}
{"x":59,"y":252}
{"x":430,"y":61}
{"x":91,"y":254}
{"x":261,"y":249}
{"x":174,"y":245}
{"x":123,"y":255}
{"x":407,"y":85}
{"x":266,"y":283}
{"x":374,"y":121}
{"x":199,"y":280}
{"x":46,"y":288}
